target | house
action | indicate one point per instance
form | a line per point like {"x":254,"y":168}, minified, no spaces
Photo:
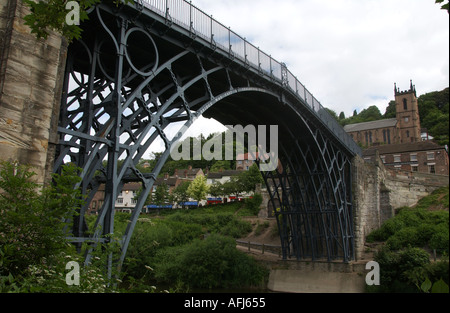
{"x":189,"y":173}
{"x":245,"y":161}
{"x":423,"y":157}
{"x":125,"y":201}
{"x":221,"y":177}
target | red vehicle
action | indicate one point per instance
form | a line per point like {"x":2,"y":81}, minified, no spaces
{"x":212,"y":201}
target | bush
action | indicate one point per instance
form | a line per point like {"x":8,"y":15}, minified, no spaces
{"x":146,"y":241}
{"x":252,"y":205}
{"x":31,"y":220}
{"x":440,"y":239}
{"x":404,"y":237}
{"x":211,"y":263}
{"x":401,"y":270}
{"x":387,"y":230}
{"x":33,"y":248}
{"x":415,"y":227}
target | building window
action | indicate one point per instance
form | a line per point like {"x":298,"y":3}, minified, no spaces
{"x":414,"y":168}
{"x":405,"y":104}
{"x":389,"y":136}
{"x":133,"y":201}
{"x":430,"y":155}
{"x":407,"y":134}
{"x":431,"y":169}
{"x":384,"y":136}
{"x":397,"y":158}
{"x":413,"y":157}
{"x":406,"y":119}
{"x":120,"y":200}
{"x":370,"y":137}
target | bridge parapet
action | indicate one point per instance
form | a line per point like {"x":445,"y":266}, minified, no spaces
{"x":203,"y":27}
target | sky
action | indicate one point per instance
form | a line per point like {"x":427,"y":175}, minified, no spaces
{"x":348,"y":53}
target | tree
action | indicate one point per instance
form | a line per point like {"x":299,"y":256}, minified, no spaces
{"x":161,"y":194}
{"x":32,"y":219}
{"x":217,"y":190}
{"x":391,"y":111}
{"x":444,"y":6}
{"x":180,"y":193}
{"x":342,"y":116}
{"x":332,"y":113}
{"x":249,"y":179}
{"x":49,"y":15}
{"x":198,"y":189}
{"x":221,"y":165}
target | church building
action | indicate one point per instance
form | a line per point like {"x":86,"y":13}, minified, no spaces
{"x":404,"y":128}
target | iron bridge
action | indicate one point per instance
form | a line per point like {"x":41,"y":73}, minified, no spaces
{"x":142,"y":67}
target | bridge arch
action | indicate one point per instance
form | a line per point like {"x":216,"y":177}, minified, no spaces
{"x":119,"y":98}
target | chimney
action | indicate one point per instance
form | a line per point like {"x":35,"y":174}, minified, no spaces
{"x":176,"y":173}
{"x":166,"y":176}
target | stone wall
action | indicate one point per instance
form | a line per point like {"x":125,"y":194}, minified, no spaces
{"x":378,"y":191}
{"x":31,"y":78}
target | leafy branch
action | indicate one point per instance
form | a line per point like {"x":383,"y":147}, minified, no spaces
{"x":48,"y":15}
{"x":444,"y":6}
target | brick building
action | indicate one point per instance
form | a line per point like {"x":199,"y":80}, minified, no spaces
{"x":422,"y":157}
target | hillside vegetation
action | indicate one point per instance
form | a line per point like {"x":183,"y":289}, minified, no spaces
{"x":409,"y":243}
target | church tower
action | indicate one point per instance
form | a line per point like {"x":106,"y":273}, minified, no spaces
{"x":407,"y":109}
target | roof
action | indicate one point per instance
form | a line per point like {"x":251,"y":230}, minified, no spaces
{"x":403,"y":147}
{"x":171,"y":181}
{"x":218,"y":175}
{"x":247,"y":156}
{"x":390,"y":122}
{"x":187,"y":172}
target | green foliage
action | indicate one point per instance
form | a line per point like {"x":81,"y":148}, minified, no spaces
{"x":252,"y":205}
{"x":400,"y":269}
{"x":434,"y":114}
{"x":404,"y":262}
{"x":418,"y":226}
{"x":198,"y":189}
{"x":372,"y":113}
{"x":161,"y":195}
{"x":225,"y":223}
{"x":51,"y":15}
{"x":180,"y":194}
{"x":261,"y":227}
{"x":391,"y":111}
{"x":211,"y":263}
{"x":31,"y":221}
{"x":33,"y":249}
{"x":166,"y":238}
{"x":444,"y":6}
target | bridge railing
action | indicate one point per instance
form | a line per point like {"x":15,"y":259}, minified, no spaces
{"x":200,"y":24}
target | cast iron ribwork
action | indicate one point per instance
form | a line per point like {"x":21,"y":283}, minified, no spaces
{"x":139,"y":69}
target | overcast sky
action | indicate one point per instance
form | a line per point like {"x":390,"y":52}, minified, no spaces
{"x":348,"y":53}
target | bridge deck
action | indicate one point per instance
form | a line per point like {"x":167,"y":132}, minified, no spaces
{"x":204,"y":29}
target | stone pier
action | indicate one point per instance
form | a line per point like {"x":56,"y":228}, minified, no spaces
{"x":31,"y":79}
